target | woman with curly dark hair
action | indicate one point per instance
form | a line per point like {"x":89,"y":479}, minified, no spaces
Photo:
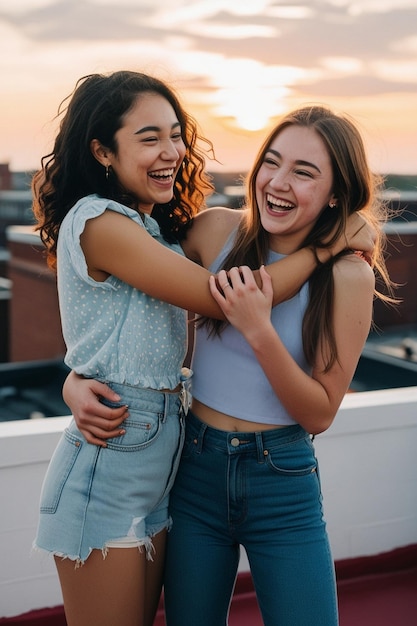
{"x":117,"y":193}
{"x":125,"y":147}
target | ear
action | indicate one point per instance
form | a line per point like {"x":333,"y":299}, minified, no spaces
{"x":333,"y":201}
{"x":100,"y":152}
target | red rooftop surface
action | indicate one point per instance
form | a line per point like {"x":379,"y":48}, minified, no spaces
{"x":378,"y":590}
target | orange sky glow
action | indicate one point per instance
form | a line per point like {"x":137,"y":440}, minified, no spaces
{"x":236,"y":68}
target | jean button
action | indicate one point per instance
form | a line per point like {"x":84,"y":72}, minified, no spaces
{"x":234,"y":442}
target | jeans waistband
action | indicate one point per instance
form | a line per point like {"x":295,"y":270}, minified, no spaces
{"x":166,"y":402}
{"x":232,"y":442}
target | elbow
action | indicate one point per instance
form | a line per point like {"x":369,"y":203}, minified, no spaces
{"x":320,"y":425}
{"x":318,"y":430}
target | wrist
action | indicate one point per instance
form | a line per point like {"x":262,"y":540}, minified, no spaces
{"x":260,"y":337}
{"x":322,"y":255}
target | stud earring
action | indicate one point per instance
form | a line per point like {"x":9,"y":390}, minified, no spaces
{"x":332,"y":205}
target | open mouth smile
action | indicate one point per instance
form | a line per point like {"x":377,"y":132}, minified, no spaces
{"x":162,"y":175}
{"x":277,"y":205}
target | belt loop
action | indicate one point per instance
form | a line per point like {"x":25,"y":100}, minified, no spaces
{"x":260,"y":448}
{"x":167,"y":407}
{"x":199,"y":440}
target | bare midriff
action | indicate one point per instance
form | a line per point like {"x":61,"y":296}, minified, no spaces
{"x":221,"y":421}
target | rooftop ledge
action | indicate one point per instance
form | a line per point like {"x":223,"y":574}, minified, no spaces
{"x":360,"y":412}
{"x":367,"y":473}
{"x":371,"y":401}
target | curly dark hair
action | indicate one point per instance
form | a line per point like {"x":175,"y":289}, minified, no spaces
{"x":95,"y":110}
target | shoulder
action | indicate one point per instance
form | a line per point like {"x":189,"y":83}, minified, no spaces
{"x":92,"y":206}
{"x":209,"y":232}
{"x":218,"y":217}
{"x":351,"y":272}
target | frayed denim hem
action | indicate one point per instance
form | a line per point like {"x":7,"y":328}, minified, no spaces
{"x":130,"y":542}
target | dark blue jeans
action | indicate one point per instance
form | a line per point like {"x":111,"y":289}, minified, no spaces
{"x":261,"y":491}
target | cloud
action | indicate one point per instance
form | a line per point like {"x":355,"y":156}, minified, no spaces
{"x":345,"y":86}
{"x":76,"y":20}
{"x":325,"y":42}
{"x":227,"y":57}
{"x":368,"y":40}
{"x":378,"y":6}
{"x":321,"y":33}
{"x":329,"y":40}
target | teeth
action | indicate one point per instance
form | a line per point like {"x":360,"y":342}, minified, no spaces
{"x":278,"y":204}
{"x":162,"y":173}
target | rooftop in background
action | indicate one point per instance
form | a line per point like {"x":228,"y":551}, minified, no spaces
{"x":403,"y":182}
{"x":400,"y":191}
{"x":21,"y":180}
{"x":32,"y":390}
{"x":388,"y":361}
{"x":16,"y":181}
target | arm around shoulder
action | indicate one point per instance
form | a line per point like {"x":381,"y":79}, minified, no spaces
{"x":114,"y":245}
{"x":209,"y":232}
{"x":355,"y":277}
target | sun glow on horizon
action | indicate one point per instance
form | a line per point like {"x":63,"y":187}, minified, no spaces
{"x":223,"y":57}
{"x":250,"y":93}
{"x":250,"y":111}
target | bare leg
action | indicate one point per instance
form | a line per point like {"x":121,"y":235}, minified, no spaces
{"x":154,"y":577}
{"x":108,"y":591}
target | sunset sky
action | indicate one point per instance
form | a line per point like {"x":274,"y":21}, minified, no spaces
{"x":237,"y":65}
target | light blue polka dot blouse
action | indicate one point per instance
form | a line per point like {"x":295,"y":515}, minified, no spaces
{"x":112,"y":331}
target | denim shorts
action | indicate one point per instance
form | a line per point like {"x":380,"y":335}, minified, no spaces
{"x":93,"y":496}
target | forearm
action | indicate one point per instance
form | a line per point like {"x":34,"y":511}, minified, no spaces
{"x":291,"y":272}
{"x":115,"y":246}
{"x":314,"y":399}
{"x":304,"y":398}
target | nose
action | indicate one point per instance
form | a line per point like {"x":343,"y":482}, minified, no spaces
{"x":170,"y":151}
{"x":280,"y":180}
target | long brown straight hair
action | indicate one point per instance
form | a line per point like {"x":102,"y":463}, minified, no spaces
{"x":356,"y":189}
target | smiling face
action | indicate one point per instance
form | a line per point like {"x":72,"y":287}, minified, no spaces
{"x":150,"y":150}
{"x":293,"y":186}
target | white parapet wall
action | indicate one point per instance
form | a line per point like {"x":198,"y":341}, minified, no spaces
{"x":368,"y":466}
{"x":27,"y":581}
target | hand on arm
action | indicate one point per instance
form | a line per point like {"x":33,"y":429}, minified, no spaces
{"x":206,"y":238}
{"x":312,"y":401}
{"x":96,"y":421}
{"x":360,"y":235}
{"x":290,"y":273}
{"x":244,"y":304}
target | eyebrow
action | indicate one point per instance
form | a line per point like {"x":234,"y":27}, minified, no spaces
{"x":298,"y":162}
{"x":155,"y":129}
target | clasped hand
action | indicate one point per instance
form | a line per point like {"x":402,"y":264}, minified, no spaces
{"x":245,"y":305}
